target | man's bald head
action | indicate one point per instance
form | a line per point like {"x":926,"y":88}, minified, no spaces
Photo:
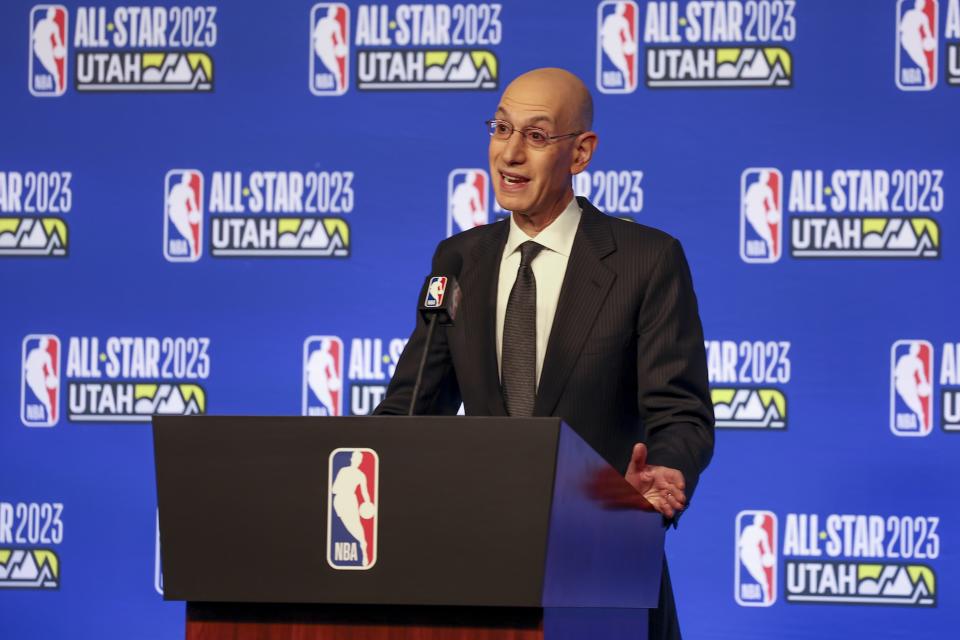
{"x":559,"y":91}
{"x":540,"y":137}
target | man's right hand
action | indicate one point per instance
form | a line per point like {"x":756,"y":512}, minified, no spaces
{"x":662,"y":487}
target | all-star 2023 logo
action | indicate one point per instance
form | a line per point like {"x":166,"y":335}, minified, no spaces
{"x":695,"y":44}
{"x":852,"y":559}
{"x":30,"y":534}
{"x":747,"y":380}
{"x":918,"y":44}
{"x":918,"y":394}
{"x":952,"y":36}
{"x":617,"y":192}
{"x":116,"y":379}
{"x":122,"y":49}
{"x":38,"y":200}
{"x":338,"y":381}
{"x":257,"y":214}
{"x":419,"y":47}
{"x":840,"y":213}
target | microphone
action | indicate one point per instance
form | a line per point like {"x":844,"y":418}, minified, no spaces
{"x":439,"y":303}
{"x":441,"y":300}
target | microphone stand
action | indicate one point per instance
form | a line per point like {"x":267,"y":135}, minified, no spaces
{"x":423,"y":362}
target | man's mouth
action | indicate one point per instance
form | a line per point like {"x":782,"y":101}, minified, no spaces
{"x":513,"y":179}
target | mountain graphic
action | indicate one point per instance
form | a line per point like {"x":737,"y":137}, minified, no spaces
{"x":29,"y":568}
{"x":747,"y":409}
{"x":895,"y":583}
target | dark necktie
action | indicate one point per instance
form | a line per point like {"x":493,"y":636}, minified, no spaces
{"x":518,"y":358}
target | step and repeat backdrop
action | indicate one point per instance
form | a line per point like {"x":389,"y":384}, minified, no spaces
{"x":229,"y":207}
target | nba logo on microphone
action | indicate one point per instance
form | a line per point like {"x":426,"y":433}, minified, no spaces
{"x":761,"y":215}
{"x":617,"y":64}
{"x":329,"y":49}
{"x":435,"y":290}
{"x":917,"y":44}
{"x":467,"y":201}
{"x":40,"y":381}
{"x":911,"y":388}
{"x":352,"y":504}
{"x":48,"y":50}
{"x":323,"y":376}
{"x":183,"y":215}
{"x":756,"y":565}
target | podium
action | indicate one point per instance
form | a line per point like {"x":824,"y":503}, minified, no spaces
{"x":473,"y":528}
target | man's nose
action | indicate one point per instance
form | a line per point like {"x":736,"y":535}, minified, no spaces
{"x":514,"y":149}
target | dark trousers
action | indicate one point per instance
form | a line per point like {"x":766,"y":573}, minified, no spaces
{"x":664,"y":624}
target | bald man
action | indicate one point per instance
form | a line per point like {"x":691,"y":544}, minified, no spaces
{"x":568,"y":312}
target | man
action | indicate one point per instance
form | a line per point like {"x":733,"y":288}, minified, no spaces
{"x":568,"y":312}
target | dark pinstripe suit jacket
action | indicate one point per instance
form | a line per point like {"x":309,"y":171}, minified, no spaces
{"x":625,"y":360}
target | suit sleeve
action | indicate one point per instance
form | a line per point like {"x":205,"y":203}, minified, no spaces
{"x":673,"y":394}
{"x":439,"y":391}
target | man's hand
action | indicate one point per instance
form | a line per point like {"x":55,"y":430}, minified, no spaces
{"x":662,"y":487}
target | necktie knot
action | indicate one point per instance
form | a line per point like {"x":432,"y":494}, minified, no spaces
{"x":529,"y":251}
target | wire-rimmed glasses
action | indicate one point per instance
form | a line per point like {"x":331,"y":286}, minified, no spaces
{"x":533,"y":136}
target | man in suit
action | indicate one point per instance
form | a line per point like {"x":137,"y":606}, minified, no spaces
{"x":568,"y":312}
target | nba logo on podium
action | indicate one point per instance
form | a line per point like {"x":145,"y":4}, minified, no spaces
{"x":48,"y":50}
{"x":40,"y":381}
{"x":183,"y":215}
{"x":329,"y":49}
{"x":438,"y":284}
{"x":756,"y":566}
{"x":911,"y":388}
{"x":917,"y":44}
{"x":617,"y":46}
{"x":352,"y":504}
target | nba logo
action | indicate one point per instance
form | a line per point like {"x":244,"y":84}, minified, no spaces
{"x":40,"y":382}
{"x":467,"y":203}
{"x":329,"y":48}
{"x":761,"y":202}
{"x":48,"y":50}
{"x":917,"y":44}
{"x":617,"y":46}
{"x":183,"y":215}
{"x":438,"y":284}
{"x":911,"y":388}
{"x":323,"y":376}
{"x":352,"y":504}
{"x":756,"y":566}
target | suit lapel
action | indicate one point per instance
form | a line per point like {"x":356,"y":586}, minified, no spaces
{"x":586,"y":284}
{"x":480,"y":295}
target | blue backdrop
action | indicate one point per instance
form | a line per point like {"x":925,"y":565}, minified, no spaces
{"x":202,"y":204}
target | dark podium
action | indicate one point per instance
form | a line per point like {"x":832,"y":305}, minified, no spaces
{"x":475,"y":528}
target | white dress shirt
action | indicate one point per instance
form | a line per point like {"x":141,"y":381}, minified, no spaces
{"x":549,"y":267}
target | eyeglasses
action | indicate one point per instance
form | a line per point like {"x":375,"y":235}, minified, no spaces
{"x":532,"y":136}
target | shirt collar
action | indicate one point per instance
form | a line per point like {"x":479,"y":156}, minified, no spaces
{"x":557,"y":236}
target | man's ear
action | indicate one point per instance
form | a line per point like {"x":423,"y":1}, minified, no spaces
{"x":583,"y":149}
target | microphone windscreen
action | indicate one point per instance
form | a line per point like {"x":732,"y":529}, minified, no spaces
{"x":441,"y":297}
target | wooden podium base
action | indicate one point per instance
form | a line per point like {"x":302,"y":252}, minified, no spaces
{"x":215,"y":621}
